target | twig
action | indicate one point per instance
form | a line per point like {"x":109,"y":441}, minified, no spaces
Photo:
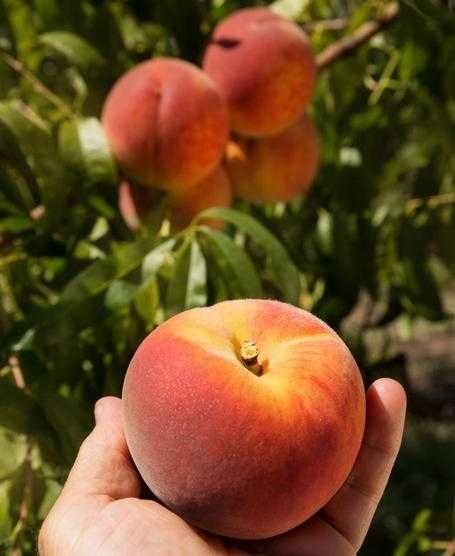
{"x":24,"y":509}
{"x":336,"y":24}
{"x":38,"y":85}
{"x":432,"y":201}
{"x":347,"y":45}
{"x":16,"y":371}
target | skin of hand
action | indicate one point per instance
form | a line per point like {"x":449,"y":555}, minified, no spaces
{"x":99,"y":510}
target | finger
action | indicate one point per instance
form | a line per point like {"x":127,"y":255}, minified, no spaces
{"x":351,"y":510}
{"x":315,"y":537}
{"x":103,"y":465}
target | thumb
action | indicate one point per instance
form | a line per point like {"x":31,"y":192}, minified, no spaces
{"x":103,"y":465}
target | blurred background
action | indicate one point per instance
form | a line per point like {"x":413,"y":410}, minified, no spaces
{"x":370,"y":249}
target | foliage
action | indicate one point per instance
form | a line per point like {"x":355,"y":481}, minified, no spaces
{"x":79,"y":291}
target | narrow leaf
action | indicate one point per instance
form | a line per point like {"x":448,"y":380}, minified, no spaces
{"x":241,"y":275}
{"x":284,"y":273}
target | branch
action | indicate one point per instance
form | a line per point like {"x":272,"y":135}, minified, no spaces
{"x":336,"y":24}
{"x":38,"y":85}
{"x":432,"y":201}
{"x":347,"y":45}
{"x":24,"y":509}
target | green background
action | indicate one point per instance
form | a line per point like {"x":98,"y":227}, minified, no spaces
{"x":371,"y":249}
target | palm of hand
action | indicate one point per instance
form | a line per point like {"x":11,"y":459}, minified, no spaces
{"x":99,"y":510}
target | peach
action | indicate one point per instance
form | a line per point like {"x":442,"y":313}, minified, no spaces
{"x":276,"y":168}
{"x":213,"y":191}
{"x":167,"y":123}
{"x":244,"y":418}
{"x":264,"y":66}
{"x":134,"y":202}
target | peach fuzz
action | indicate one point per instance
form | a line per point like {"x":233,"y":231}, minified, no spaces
{"x":213,"y":191}
{"x":264,"y":66}
{"x":277,"y":168}
{"x":243,"y":448}
{"x":167,"y":123}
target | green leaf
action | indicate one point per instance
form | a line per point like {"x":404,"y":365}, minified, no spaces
{"x":6,"y":524}
{"x":283,"y":271}
{"x":120,"y":294}
{"x":237,"y":267}
{"x":84,"y":147}
{"x":20,"y":20}
{"x":156,"y":258}
{"x":66,"y":415}
{"x":74,"y":48}
{"x":34,"y":139}
{"x":147,"y":299}
{"x":19,"y":411}
{"x":188,"y":285}
{"x":13,"y":448}
{"x":99,"y":276}
{"x":16,"y":224}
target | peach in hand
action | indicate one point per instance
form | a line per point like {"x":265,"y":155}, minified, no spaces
{"x":276,"y":168}
{"x":167,"y":124}
{"x":264,"y":66}
{"x":244,"y":418}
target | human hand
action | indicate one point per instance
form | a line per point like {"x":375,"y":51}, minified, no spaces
{"x":99,"y":510}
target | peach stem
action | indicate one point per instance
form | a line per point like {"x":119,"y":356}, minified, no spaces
{"x":249,"y":354}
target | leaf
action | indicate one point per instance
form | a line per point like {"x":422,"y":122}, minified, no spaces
{"x":119,"y":295}
{"x":74,"y":48}
{"x":283,"y":271}
{"x":290,"y":9}
{"x":13,"y":448}
{"x":98,"y":277}
{"x":19,"y":412}
{"x":20,"y":20}
{"x":156,"y":258}
{"x":188,"y":285}
{"x":34,"y":139}
{"x":5,"y":515}
{"x":66,"y":415}
{"x":16,"y":224}
{"x":237,"y":267}
{"x":84,"y":147}
{"x":147,"y":299}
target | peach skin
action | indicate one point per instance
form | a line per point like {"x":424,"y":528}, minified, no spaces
{"x":181,"y":208}
{"x":277,"y":168}
{"x":213,"y":191}
{"x":167,"y":124}
{"x":244,"y":418}
{"x":264,"y":66}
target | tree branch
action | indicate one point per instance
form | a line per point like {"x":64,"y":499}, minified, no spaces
{"x":38,"y":85}
{"x":336,"y":24}
{"x":347,"y":45}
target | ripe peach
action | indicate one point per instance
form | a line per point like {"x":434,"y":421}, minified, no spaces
{"x":276,"y":168}
{"x":167,"y":123}
{"x":213,"y":191}
{"x":265,"y":67}
{"x":244,"y":418}
{"x":134,"y":202}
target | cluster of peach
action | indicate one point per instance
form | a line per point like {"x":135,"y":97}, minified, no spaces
{"x":236,"y":127}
